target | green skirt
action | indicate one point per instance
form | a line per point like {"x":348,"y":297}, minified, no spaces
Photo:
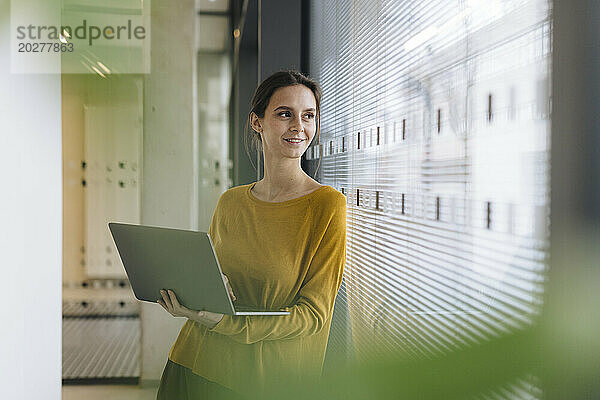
{"x":180,"y":383}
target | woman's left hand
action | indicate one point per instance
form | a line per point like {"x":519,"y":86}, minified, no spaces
{"x":170,"y":303}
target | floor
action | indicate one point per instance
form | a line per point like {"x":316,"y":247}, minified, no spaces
{"x":100,"y":347}
{"x":101,"y":301}
{"x":101,"y":333}
{"x":112,"y":392}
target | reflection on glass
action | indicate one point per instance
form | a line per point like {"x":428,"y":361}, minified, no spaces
{"x":436,"y":127}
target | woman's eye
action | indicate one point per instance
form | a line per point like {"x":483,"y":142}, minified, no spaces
{"x":309,"y":116}
{"x":285,"y":114}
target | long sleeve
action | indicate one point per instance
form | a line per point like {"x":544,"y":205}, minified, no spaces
{"x":276,"y":254}
{"x":315,"y":299}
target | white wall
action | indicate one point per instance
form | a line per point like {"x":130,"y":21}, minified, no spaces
{"x":31,"y":229}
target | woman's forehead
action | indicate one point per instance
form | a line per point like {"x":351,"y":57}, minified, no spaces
{"x":297,"y":96}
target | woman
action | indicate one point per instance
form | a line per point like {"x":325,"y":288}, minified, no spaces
{"x":281,"y":243}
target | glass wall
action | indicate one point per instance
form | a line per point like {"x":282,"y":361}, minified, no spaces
{"x":435,"y":126}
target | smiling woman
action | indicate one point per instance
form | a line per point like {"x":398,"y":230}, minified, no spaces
{"x":281,"y":242}
{"x":288,"y":124}
{"x":285,"y":99}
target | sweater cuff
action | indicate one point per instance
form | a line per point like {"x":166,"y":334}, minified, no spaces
{"x":223,"y":326}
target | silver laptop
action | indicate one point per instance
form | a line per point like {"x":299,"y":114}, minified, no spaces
{"x":184,"y":261}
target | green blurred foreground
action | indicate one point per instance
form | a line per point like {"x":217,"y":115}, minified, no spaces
{"x":457,"y":375}
{"x":561,"y":353}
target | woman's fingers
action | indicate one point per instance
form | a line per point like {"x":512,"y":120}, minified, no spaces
{"x":167,"y":301}
{"x":228,"y":286}
{"x":229,"y":289}
{"x":173,"y":298}
{"x":163,"y":305}
{"x":179,"y":309}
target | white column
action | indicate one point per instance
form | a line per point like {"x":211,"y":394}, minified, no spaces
{"x":31,"y":228}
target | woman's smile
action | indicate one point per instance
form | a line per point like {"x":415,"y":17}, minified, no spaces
{"x":295,"y":142}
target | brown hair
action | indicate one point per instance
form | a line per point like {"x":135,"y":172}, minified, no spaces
{"x":263,"y":95}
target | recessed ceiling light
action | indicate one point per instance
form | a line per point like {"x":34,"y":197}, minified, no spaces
{"x":98,"y":72}
{"x":104,"y":67}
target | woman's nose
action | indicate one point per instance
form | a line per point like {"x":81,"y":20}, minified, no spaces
{"x":296,"y":125}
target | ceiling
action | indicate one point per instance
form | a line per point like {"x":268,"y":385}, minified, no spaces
{"x":212,"y":5}
{"x":212,"y":25}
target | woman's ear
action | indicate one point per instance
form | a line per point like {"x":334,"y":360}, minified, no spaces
{"x":255,"y":122}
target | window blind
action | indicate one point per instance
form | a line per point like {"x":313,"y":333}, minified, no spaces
{"x":435,"y":125}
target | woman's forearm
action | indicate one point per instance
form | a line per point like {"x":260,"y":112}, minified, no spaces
{"x":207,"y":318}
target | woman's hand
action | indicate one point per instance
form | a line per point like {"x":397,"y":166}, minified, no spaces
{"x":228,"y":286}
{"x":170,"y":303}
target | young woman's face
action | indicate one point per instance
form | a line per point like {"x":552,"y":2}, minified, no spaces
{"x":288,"y":126}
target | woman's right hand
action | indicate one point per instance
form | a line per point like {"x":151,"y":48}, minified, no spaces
{"x":228,"y":286}
{"x":170,"y":303}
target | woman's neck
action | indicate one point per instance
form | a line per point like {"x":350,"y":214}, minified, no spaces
{"x":284,"y":176}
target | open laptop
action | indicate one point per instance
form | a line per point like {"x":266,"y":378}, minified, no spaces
{"x":184,"y":261}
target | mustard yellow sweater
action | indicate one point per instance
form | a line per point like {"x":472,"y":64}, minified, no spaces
{"x":287,"y":255}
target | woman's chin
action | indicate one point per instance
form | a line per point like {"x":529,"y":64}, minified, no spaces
{"x":293,"y":153}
